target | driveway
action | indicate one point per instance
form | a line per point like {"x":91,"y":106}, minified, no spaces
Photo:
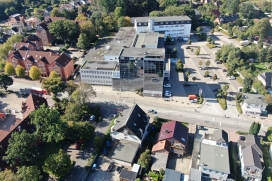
{"x":81,"y":156}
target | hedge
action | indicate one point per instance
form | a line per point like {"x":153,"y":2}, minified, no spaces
{"x":222,"y":102}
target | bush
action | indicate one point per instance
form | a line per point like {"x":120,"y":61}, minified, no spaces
{"x":223,"y":102}
{"x":239,"y":109}
{"x":210,"y":45}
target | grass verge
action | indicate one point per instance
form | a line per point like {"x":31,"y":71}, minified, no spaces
{"x":211,"y":45}
{"x":239,"y":109}
{"x":267,"y":172}
{"x":223,"y":102}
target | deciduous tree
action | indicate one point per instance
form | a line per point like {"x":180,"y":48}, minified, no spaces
{"x":5,"y":81}
{"x":145,"y":159}
{"x":58,"y":165}
{"x":83,"y":42}
{"x":7,"y":175}
{"x":71,"y":87}
{"x":20,"y":70}
{"x":48,"y":124}
{"x":34,"y":73}
{"x":268,"y":99}
{"x":22,"y":148}
{"x":118,"y":12}
{"x":55,"y":13}
{"x":83,"y":93}
{"x":214,"y":77}
{"x":208,"y":63}
{"x":9,"y":68}
{"x":179,"y":66}
{"x":247,"y":82}
{"x":54,"y":85}
{"x":197,"y":51}
{"x":28,"y":173}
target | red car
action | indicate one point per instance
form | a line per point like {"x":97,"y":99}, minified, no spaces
{"x":78,"y":144}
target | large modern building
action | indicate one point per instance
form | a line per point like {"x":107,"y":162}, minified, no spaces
{"x":135,"y":59}
{"x":174,"y":26}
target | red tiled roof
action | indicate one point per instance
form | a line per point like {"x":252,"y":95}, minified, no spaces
{"x":174,"y":129}
{"x":162,"y":145}
{"x":32,"y":103}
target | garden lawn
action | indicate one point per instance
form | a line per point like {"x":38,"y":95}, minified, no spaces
{"x":261,"y":67}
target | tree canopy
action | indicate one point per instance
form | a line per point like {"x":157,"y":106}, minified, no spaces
{"x":20,"y":70}
{"x":54,"y":85}
{"x":145,"y":159}
{"x":5,"y":81}
{"x":48,"y":124}
{"x":22,"y":148}
{"x":58,"y":165}
{"x":34,"y":73}
{"x":9,"y":68}
{"x":28,"y":173}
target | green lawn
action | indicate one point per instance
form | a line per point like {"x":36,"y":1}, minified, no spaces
{"x":261,"y":67}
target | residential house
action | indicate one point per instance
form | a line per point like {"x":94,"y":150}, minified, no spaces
{"x":125,"y":152}
{"x":132,"y":125}
{"x":67,"y":7}
{"x":12,"y":124}
{"x":266,"y":79}
{"x":31,"y":43}
{"x":218,"y":3}
{"x":227,"y":19}
{"x":253,"y":105}
{"x":251,"y":157}
{"x":172,"y":175}
{"x":127,"y":175}
{"x":214,"y":157}
{"x":16,"y":30}
{"x":256,"y":10}
{"x":163,"y":146}
{"x":46,"y":61}
{"x":33,"y":22}
{"x":32,"y":103}
{"x":47,"y":11}
{"x":43,"y":33}
{"x":17,"y":20}
{"x":175,"y":133}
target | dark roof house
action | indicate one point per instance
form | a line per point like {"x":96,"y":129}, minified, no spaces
{"x":174,"y":130}
{"x":227,"y":19}
{"x":266,"y":79}
{"x":172,"y":175}
{"x":251,"y":140}
{"x":32,"y":103}
{"x":133,"y":121}
{"x":220,"y":136}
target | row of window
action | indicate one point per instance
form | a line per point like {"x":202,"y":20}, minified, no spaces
{"x":95,"y":72}
{"x":171,"y":26}
{"x":99,"y":77}
{"x":97,"y":81}
{"x":167,"y":22}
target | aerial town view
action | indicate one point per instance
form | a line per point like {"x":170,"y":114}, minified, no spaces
{"x":136,"y":90}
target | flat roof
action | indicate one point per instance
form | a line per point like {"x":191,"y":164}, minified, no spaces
{"x":147,"y":39}
{"x":159,"y":161}
{"x":124,"y":38}
{"x":141,"y":52}
{"x":95,"y":55}
{"x":214,"y":157}
{"x":99,"y":65}
{"x":125,"y":151}
{"x":128,"y":175}
{"x":160,"y":19}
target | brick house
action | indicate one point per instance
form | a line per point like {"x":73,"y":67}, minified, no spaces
{"x":31,"y":43}
{"x":46,"y":61}
{"x":33,"y":22}
{"x":12,"y":124}
{"x":42,"y":30}
{"x":18,"y":20}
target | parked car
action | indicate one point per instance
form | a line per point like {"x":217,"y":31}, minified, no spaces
{"x":187,"y":47}
{"x":105,"y":152}
{"x":92,"y":118}
{"x":218,"y":62}
{"x":152,"y":111}
{"x":186,"y":84}
{"x":119,"y":168}
{"x":224,"y":70}
{"x":214,"y":89}
{"x":110,"y":167}
{"x":155,"y":80}
{"x":78,"y":144}
{"x":167,"y":94}
{"x":200,"y":127}
{"x":167,"y":85}
{"x":108,"y":145}
{"x":231,"y":78}
{"x":203,"y":68}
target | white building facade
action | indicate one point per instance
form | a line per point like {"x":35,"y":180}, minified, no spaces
{"x":174,"y":26}
{"x":254,"y":105}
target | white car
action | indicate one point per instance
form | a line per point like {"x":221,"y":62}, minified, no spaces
{"x":231,"y":78}
{"x":167,"y":94}
{"x":152,"y":111}
{"x":167,"y":85}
